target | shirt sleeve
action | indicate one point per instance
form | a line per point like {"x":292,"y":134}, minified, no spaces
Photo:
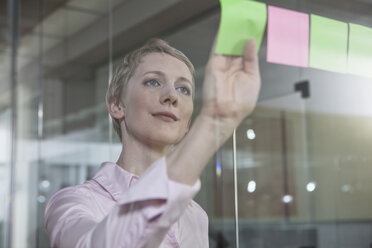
{"x":141,"y":217}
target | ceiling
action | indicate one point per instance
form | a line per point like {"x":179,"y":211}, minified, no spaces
{"x":75,"y":37}
{"x":75,"y":33}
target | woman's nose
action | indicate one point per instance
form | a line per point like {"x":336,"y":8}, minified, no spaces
{"x":169,"y":96}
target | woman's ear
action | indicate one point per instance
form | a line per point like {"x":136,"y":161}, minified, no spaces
{"x":188,"y":125}
{"x":116,"y":110}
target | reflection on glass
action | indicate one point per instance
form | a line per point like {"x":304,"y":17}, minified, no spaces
{"x":287,"y":198}
{"x":251,"y":186}
{"x":294,"y":151}
{"x":218,"y":168}
{"x":44,"y":185}
{"x":347,"y":188}
{"x":251,"y":134}
{"x":311,"y":186}
{"x":41,"y":199}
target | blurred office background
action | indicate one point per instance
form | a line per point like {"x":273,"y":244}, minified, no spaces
{"x":303,"y":173}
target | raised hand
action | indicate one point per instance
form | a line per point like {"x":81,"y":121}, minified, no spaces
{"x":230,"y":93}
{"x":231,"y":86}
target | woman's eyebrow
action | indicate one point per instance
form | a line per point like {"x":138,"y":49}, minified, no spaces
{"x":160,"y":73}
{"x":186,"y":80}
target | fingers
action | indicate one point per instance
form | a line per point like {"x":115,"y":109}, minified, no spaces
{"x":250,"y":58}
{"x":216,"y":60}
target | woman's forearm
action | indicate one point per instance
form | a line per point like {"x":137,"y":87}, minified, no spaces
{"x":187,"y":161}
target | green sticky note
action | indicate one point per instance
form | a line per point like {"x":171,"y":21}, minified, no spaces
{"x":328,"y":44}
{"x":240,"y":21}
{"x":360,"y":50}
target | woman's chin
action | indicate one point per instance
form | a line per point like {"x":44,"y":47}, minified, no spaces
{"x":164,"y":140}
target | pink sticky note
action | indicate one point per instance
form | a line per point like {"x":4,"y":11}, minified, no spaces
{"x":287,"y":37}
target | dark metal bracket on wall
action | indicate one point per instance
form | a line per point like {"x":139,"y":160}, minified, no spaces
{"x":304,"y":88}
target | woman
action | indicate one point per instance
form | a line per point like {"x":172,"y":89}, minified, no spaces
{"x":145,"y":198}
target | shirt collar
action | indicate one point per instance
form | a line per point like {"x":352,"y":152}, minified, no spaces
{"x":114,"y":179}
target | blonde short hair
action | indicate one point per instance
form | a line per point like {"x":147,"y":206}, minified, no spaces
{"x":126,"y":69}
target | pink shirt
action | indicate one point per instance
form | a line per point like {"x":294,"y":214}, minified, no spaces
{"x":118,"y":209}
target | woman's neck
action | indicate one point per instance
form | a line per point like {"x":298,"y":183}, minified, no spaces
{"x":136,"y":157}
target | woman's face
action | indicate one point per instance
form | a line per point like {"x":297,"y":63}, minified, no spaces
{"x":158,"y":100}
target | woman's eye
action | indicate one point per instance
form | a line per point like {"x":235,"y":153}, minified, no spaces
{"x":151,"y":82}
{"x":184,"y":90}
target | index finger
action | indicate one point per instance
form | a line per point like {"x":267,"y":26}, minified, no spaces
{"x":216,"y":57}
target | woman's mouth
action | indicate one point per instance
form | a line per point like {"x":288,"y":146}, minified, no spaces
{"x":166,"y":116}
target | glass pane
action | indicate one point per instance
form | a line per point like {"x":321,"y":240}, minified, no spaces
{"x":308,"y":183}
{"x":5,"y":126}
{"x":273,"y":174}
{"x":76,"y":138}
{"x":5,"y":141}
{"x":303,"y":164}
{"x":216,"y":196}
{"x":26,"y":127}
{"x":63,"y":126}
